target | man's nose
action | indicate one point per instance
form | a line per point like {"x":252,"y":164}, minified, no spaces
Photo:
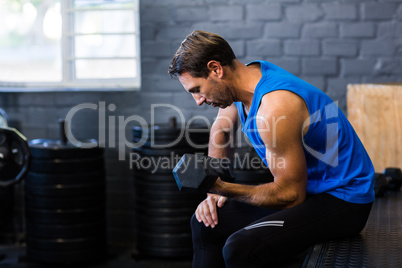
{"x":199,"y":99}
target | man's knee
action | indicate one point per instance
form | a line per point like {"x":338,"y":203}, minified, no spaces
{"x":198,"y":229}
{"x":236,"y":251}
{"x":195,"y":226}
{"x":243,"y":250}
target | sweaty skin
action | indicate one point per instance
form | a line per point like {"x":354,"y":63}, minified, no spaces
{"x":224,"y":86}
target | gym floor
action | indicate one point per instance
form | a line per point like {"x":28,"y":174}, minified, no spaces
{"x":378,"y":245}
{"x":14,"y":256}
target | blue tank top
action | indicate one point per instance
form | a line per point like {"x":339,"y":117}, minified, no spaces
{"x":337,"y":162}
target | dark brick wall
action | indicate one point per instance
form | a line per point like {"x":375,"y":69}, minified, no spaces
{"x":328,"y":43}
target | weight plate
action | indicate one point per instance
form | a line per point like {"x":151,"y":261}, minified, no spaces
{"x":143,"y":176}
{"x":91,"y":229}
{"x":164,"y":240}
{"x":151,"y":183}
{"x":192,"y":141}
{"x":152,"y":203}
{"x":164,"y":186}
{"x":6,"y":204}
{"x":55,"y":149}
{"x":167,"y":200}
{"x":176,"y":152}
{"x":143,"y":192}
{"x":66,"y":190}
{"x":166,"y":252}
{"x":150,"y":227}
{"x":165,"y":221}
{"x":160,"y":137}
{"x":70,"y":202}
{"x":194,"y":137}
{"x":164,"y":212}
{"x":43,"y":179}
{"x":147,"y":165}
{"x":167,"y":130}
{"x":159,"y":129}
{"x":65,"y":216}
{"x":166,"y":142}
{"x":157,"y":186}
{"x":67,"y":166}
{"x":14,"y":156}
{"x":11,"y":160}
{"x":174,"y":196}
{"x":61,"y":244}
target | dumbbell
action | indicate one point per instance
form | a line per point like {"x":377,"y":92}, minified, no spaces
{"x":390,"y":179}
{"x":195,"y":172}
{"x":380,"y":184}
{"x":394,"y":176}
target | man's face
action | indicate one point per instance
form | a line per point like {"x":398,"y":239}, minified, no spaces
{"x":207,"y":90}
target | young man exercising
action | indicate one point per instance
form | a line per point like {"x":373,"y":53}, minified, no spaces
{"x":323,"y":186}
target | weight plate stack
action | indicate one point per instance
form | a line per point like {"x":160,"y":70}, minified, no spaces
{"x":6,"y":206}
{"x":163,"y":213}
{"x":171,"y":135}
{"x":248,"y":168}
{"x":65,"y":203}
{"x":14,"y":164}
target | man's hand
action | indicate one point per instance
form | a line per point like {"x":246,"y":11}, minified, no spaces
{"x":206,"y":210}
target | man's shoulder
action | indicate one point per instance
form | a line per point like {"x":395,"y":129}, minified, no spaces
{"x":284,"y":106}
{"x":281,"y":101}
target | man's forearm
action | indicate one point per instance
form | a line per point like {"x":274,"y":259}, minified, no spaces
{"x":220,"y":143}
{"x":265,"y":195}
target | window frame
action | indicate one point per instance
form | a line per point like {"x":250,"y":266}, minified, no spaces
{"x":69,"y":82}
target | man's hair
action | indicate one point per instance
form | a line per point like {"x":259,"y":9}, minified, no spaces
{"x":197,"y":49}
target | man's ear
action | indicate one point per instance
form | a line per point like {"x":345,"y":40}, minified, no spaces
{"x":216,"y":68}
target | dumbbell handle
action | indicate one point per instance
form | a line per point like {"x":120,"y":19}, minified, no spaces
{"x":218,"y":168}
{"x":195,"y":172}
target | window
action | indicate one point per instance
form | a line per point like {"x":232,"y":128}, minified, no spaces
{"x":69,"y":44}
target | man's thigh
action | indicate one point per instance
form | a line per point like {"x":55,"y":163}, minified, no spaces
{"x":235,"y":215}
{"x":293,"y":230}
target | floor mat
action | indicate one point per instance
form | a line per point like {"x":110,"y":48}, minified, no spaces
{"x":378,"y":245}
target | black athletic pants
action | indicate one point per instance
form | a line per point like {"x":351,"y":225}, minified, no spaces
{"x":250,"y":236}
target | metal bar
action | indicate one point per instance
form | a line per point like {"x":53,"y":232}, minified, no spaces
{"x":102,"y":58}
{"x":64,"y":41}
{"x":73,"y":10}
{"x":71,"y":34}
{"x":138,"y":42}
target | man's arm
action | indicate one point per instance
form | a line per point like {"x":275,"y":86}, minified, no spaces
{"x":280,"y":123}
{"x":222,"y":133}
{"x":221,"y":136}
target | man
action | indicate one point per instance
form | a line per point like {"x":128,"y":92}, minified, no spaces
{"x":323,"y":186}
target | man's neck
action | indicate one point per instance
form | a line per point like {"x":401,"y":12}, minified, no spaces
{"x":245,"y":79}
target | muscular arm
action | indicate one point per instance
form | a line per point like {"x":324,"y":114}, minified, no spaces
{"x":222,"y":133}
{"x":285,"y":145}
